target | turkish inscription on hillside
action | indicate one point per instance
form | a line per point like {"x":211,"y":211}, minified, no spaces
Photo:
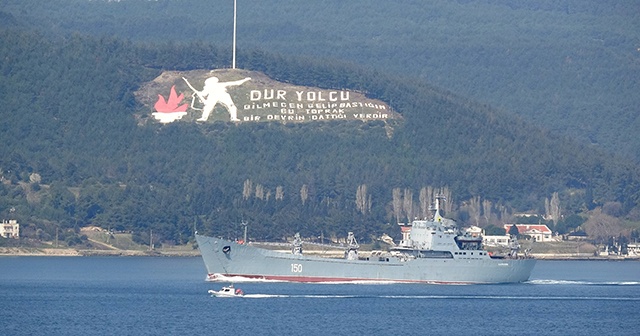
{"x":248,"y":96}
{"x":312,"y":105}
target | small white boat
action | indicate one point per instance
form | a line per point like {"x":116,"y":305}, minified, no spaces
{"x":227,"y":291}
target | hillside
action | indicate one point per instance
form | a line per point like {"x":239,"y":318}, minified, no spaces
{"x":571,"y":66}
{"x":75,"y":153}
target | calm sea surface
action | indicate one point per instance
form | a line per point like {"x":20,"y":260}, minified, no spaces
{"x":168,"y":296}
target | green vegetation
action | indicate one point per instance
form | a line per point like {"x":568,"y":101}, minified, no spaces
{"x":76,"y":151}
{"x":571,"y":66}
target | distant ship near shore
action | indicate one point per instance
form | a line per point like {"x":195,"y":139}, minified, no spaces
{"x":437,"y":252}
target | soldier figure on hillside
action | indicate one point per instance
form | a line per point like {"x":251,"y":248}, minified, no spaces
{"x":215,"y":92}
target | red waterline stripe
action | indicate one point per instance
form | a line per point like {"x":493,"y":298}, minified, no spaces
{"x":325,"y":279}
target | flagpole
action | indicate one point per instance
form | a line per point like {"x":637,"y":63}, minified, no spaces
{"x":233,"y":65}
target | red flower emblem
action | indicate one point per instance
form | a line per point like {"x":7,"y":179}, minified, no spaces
{"x":171,"y":105}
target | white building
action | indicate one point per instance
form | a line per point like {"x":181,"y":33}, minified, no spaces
{"x":538,"y":232}
{"x":10,"y":229}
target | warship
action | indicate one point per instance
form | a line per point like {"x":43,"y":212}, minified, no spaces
{"x":435,"y":251}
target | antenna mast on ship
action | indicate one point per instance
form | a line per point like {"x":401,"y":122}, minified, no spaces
{"x":436,"y":209}
{"x":245,"y":224}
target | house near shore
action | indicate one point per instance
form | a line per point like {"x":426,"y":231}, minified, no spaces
{"x":537,"y":232}
{"x":633,"y":249}
{"x":10,"y":229}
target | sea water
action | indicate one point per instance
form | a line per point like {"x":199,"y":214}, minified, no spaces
{"x":168,"y":296}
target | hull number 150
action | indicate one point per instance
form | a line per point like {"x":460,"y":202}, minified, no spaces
{"x":296,"y":268}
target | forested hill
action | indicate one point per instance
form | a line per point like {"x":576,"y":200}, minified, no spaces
{"x":75,"y":154}
{"x":571,"y":66}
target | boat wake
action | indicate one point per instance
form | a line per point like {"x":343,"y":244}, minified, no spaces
{"x":578,"y":282}
{"x":268,"y":296}
{"x":441,"y":297}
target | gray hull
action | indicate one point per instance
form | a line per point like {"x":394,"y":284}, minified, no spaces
{"x":224,"y":258}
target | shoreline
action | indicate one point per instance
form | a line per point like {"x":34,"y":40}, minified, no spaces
{"x":68,"y":252}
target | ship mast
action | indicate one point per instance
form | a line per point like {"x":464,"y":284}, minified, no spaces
{"x":437,"y":216}
{"x":245,"y":224}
